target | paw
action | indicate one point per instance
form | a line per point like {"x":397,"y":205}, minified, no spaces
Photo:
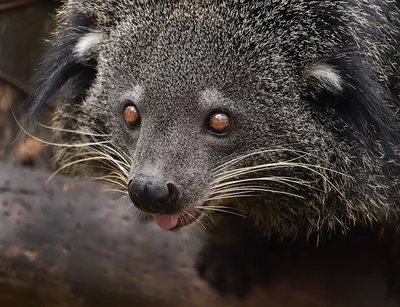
{"x":232,"y":270}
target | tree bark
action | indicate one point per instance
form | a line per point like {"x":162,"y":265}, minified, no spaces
{"x":59,"y":248}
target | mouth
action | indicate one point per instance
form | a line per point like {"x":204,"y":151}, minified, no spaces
{"x":175,"y":222}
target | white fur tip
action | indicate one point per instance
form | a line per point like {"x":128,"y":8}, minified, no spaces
{"x":328,"y":76}
{"x":87,"y":45}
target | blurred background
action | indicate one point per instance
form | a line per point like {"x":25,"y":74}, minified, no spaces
{"x":25,"y":26}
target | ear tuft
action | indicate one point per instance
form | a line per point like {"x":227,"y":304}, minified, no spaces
{"x":326,"y":77}
{"x":87,"y":46}
{"x":347,"y":88}
{"x":73,"y":53}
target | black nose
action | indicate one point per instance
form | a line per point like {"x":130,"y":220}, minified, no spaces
{"x":153,"y":195}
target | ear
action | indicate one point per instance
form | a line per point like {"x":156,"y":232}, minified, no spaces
{"x":346,"y":87}
{"x":73,"y":53}
{"x":323,"y":77}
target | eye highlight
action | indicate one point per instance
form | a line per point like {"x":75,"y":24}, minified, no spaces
{"x":131,"y":115}
{"x":219,"y":122}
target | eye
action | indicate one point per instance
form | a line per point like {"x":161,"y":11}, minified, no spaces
{"x":131,"y":115}
{"x":219,"y":122}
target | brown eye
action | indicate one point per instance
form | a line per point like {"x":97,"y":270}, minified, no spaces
{"x":219,"y":122}
{"x":131,"y":115}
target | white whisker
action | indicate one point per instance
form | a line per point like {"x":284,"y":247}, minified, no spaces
{"x":116,"y":190}
{"x":231,"y":195}
{"x":77,"y":162}
{"x":59,"y":144}
{"x":73,"y":131}
{"x":130,"y":206}
{"x":257,"y":190}
{"x":103,"y":214}
{"x":280,"y":180}
{"x":109,"y":180}
{"x":262,"y":151}
{"x":220,"y":210}
{"x":194,"y":219}
{"x":206,"y":215}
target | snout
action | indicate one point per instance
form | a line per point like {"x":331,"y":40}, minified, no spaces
{"x":153,"y":194}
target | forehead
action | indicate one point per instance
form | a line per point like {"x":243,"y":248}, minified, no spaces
{"x":194,"y":46}
{"x":177,"y":54}
{"x":202,"y":100}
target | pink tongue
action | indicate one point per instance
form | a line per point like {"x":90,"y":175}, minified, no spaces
{"x":166,"y":222}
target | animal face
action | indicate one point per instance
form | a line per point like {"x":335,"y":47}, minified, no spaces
{"x":194,"y":108}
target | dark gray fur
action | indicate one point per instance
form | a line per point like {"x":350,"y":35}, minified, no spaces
{"x":315,"y":81}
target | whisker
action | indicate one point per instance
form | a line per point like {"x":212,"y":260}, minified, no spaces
{"x":121,"y":198}
{"x":262,"y":151}
{"x":125,"y":161}
{"x":110,"y":176}
{"x":111,"y":181}
{"x":194,"y":219}
{"x":221,"y":210}
{"x":206,"y":215}
{"x":275,"y":165}
{"x":231,"y":183}
{"x":72,"y":131}
{"x":194,"y":235}
{"x":258,"y":190}
{"x":122,"y":166}
{"x":59,"y":144}
{"x":130,"y":206}
{"x":77,"y":162}
{"x":82,"y":145}
{"x":86,"y":123}
{"x":224,"y":207}
{"x":305,"y":166}
{"x":116,"y":190}
{"x":247,"y":170}
{"x":231,"y":195}
{"x":109,"y":168}
{"x":327,"y":180}
{"x":281,"y":180}
{"x":181,"y":216}
{"x":114,"y":182}
{"x":116,"y":174}
{"x":103,"y":214}
{"x":96,"y":153}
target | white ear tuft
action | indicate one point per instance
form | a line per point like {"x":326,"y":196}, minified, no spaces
{"x":87,"y":46}
{"x":327,"y":77}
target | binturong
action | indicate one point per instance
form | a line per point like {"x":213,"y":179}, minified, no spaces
{"x":251,"y":119}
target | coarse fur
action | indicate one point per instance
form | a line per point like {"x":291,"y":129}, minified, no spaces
{"x":312,"y":88}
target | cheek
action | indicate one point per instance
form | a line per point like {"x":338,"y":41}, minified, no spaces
{"x":274,"y":125}
{"x":193,"y":178}
{"x":248,"y":131}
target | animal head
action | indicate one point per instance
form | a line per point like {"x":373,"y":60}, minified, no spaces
{"x":276,"y":109}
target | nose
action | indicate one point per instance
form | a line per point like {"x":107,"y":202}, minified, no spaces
{"x":154,"y":195}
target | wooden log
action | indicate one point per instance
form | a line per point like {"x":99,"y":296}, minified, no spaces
{"x":58,"y":248}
